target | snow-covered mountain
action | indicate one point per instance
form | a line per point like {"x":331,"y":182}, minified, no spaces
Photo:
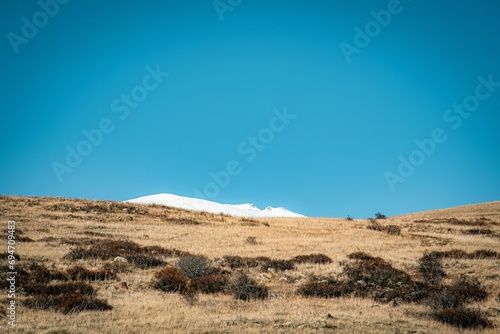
{"x":188,"y":203}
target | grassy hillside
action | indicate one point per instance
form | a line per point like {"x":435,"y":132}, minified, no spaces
{"x":106,"y":267}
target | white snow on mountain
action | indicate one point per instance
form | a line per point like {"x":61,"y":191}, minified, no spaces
{"x":196,"y":204}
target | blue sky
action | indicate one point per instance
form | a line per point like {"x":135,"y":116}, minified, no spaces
{"x":95,"y":66}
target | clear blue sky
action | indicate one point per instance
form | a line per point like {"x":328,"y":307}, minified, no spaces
{"x":359,"y":102}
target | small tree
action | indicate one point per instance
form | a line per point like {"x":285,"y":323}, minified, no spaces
{"x":378,"y":215}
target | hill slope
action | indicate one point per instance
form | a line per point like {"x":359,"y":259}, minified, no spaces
{"x":373,"y":274}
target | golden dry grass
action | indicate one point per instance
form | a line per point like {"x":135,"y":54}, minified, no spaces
{"x":54,"y":223}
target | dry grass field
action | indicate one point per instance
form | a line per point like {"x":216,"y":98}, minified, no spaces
{"x":106,"y":267}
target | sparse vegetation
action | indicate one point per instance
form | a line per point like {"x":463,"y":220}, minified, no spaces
{"x":195,"y":266}
{"x":84,"y":251}
{"x":142,"y":257}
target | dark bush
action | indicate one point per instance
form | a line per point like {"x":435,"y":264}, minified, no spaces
{"x":279,"y":265}
{"x":78,"y":273}
{"x":457,"y":294}
{"x":234,"y":261}
{"x":30,"y":274}
{"x":195,"y":266}
{"x":389,"y":229}
{"x":77,"y":303}
{"x":67,"y":303}
{"x":213,"y":283}
{"x":245,"y":288}
{"x":168,"y":252}
{"x":145,"y":261}
{"x":484,"y":254}
{"x":59,"y":289}
{"x":451,"y":254}
{"x":105,"y":249}
{"x":312,"y":258}
{"x":479,"y":231}
{"x":116,"y":267}
{"x":362,"y":256}
{"x":431,"y":269}
{"x":378,"y":215}
{"x":266,"y":263}
{"x":374,"y":225}
{"x":393,"y":229}
{"x":375,"y":278}
{"x":349,"y":218}
{"x":42,"y":273}
{"x":170,"y":280}
{"x":324,"y":289}
{"x":461,"y":254}
{"x":142,"y":257}
{"x":461,"y":318}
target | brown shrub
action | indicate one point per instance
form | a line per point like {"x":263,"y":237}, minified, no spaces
{"x":279,"y":265}
{"x":375,"y":278}
{"x":431,"y":269}
{"x":392,"y":229}
{"x":59,"y":289}
{"x":461,"y":254}
{"x":78,"y":273}
{"x":324,"y":289}
{"x":312,"y":258}
{"x":213,"y":283}
{"x":245,"y":288}
{"x":142,"y":257}
{"x":389,"y":229}
{"x":264,"y":262}
{"x":461,"y":318}
{"x":145,"y":261}
{"x":170,"y":280}
{"x":67,"y":303}
{"x":457,"y":294}
{"x":484,"y":254}
{"x":478,"y":231}
{"x":195,"y":266}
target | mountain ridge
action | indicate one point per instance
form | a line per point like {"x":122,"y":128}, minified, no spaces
{"x":197,"y":204}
